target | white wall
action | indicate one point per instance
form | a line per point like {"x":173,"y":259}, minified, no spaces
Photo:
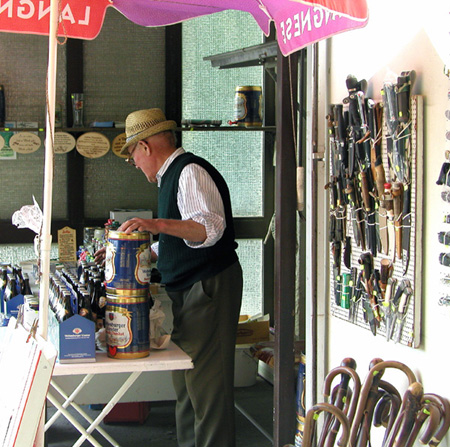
{"x":401,"y":36}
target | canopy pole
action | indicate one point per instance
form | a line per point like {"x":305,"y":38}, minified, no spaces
{"x":46,"y":236}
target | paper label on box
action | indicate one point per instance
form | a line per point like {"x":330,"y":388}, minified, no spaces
{"x":76,"y":339}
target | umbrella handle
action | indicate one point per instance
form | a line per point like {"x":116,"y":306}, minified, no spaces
{"x":444,"y":406}
{"x":350,"y":373}
{"x":404,"y":424}
{"x":312,"y":416}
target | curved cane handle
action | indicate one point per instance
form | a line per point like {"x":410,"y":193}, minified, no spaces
{"x":444,"y":406}
{"x":313,"y":414}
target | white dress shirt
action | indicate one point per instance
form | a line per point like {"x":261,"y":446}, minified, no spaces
{"x":198,"y":199}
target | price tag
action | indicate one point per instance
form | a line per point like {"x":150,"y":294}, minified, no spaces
{"x":25,"y":142}
{"x":64,"y":142}
{"x":93,"y":145}
{"x":118,"y":144}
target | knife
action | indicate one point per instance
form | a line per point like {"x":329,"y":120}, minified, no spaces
{"x":406,"y":228}
{"x":387,"y":305}
{"x":401,"y":312}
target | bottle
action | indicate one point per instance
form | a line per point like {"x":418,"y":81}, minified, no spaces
{"x":98,"y":304}
{"x":84,"y":304}
{"x":3,"y":280}
{"x":68,"y":312}
{"x":17,"y":271}
{"x":10,"y":291}
{"x":26,"y":288}
{"x":84,"y":273}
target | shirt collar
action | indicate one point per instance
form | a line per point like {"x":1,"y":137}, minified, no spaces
{"x":167,"y":163}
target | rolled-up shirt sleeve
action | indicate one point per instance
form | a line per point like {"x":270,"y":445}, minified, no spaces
{"x":199,"y":199}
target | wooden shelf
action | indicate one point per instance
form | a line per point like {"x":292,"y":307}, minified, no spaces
{"x":228,"y":128}
{"x":121,"y":129}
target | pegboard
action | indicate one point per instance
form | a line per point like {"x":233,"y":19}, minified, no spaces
{"x":410,"y":334}
{"x":442,"y":258}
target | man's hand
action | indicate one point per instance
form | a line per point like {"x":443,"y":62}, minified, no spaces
{"x":188,"y":230}
{"x":138,"y":224}
{"x":99,"y":256}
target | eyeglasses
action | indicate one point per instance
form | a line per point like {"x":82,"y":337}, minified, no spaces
{"x":130,"y":159}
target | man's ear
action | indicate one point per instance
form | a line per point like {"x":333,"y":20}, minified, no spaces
{"x":148,"y":148}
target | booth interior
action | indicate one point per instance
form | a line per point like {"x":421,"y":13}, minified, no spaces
{"x":93,"y":188}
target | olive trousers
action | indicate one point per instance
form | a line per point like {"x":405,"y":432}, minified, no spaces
{"x":205,"y":324}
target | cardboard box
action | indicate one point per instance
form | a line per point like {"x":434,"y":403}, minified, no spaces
{"x":252,"y":330}
{"x":128,"y":412}
{"x":121,"y":215}
{"x":245,"y":367}
{"x":74,"y":338}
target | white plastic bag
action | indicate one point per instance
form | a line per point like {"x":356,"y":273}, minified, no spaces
{"x":158,"y":339}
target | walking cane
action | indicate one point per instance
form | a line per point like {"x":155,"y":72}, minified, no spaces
{"x":312,"y":416}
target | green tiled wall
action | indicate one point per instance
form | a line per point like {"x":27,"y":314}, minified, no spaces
{"x":124,"y":70}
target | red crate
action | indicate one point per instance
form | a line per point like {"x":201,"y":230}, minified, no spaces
{"x":128,"y":412}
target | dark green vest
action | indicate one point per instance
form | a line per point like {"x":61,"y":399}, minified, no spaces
{"x":181,"y":266}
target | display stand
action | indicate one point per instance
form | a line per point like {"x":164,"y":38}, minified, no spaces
{"x":172,"y":358}
{"x":411,"y":316}
{"x":26,"y":366}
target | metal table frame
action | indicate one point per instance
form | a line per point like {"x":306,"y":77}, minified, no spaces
{"x":172,"y":358}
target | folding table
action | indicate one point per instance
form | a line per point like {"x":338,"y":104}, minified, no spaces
{"x":172,"y":358}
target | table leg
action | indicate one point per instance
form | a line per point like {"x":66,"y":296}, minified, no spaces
{"x":69,"y":401}
{"x":73,"y":421}
{"x":109,"y":406}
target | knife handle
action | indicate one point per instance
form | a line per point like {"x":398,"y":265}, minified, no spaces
{"x":397,"y":195}
{"x":389,"y":289}
{"x":403,"y":98}
{"x":365,"y":191}
{"x":388,"y":200}
{"x":380,"y":180}
{"x":385,"y":273}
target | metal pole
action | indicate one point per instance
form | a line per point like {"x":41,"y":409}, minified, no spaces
{"x":285,"y":249}
{"x":46,"y":236}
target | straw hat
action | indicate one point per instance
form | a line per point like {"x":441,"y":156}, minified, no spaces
{"x":143,"y":124}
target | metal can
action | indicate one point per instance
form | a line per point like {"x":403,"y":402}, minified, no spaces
{"x":248,"y":106}
{"x":127,"y":326}
{"x":300,"y":402}
{"x":128,"y":263}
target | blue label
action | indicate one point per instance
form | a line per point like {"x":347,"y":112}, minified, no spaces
{"x":76,"y":339}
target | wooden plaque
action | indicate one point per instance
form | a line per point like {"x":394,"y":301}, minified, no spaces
{"x":93,"y":145}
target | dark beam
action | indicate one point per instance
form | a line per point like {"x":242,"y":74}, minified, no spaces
{"x":285,"y":246}
{"x":75,"y":161}
{"x":173,"y":72}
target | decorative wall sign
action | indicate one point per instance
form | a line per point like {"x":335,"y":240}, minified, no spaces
{"x":64,"y":142}
{"x":25,"y":142}
{"x":6,"y":153}
{"x":93,"y":145}
{"x":118,"y":144}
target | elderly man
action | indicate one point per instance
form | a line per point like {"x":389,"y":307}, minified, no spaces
{"x":196,"y":256}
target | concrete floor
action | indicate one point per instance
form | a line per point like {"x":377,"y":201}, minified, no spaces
{"x":256,"y":402}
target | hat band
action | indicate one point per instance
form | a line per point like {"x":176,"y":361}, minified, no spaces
{"x":128,"y":139}
{"x":140,"y":127}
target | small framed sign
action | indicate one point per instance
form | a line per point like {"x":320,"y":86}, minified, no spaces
{"x":67,"y":245}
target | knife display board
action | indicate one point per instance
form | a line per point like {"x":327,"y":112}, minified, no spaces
{"x":357,"y":315}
